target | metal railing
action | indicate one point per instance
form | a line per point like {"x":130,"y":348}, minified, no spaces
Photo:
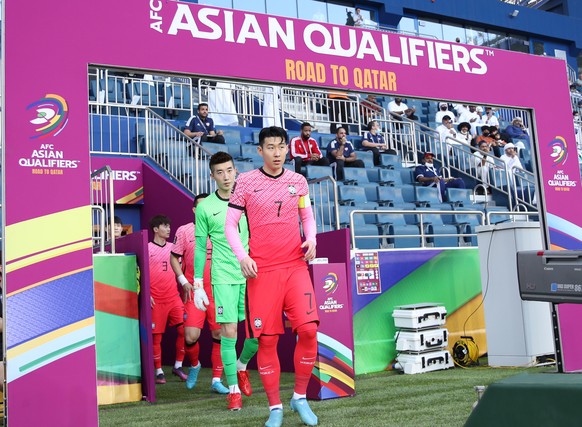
{"x":113,"y":89}
{"x":323,"y":192}
{"x":241,"y":103}
{"x":102,"y":208}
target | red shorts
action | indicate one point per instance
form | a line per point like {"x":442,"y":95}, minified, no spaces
{"x":194,"y":318}
{"x":170,"y":312}
{"x":288,"y":290}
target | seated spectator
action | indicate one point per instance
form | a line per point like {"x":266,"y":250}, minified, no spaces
{"x":464,"y":134}
{"x":341,"y":152}
{"x":369,"y":108}
{"x":484,"y":137}
{"x":472,"y":117}
{"x":510,"y":157}
{"x":483,"y":163}
{"x":446,"y":129}
{"x":428,"y":176}
{"x":443,"y":111}
{"x":498,"y":142}
{"x":490,"y":119}
{"x":303,"y":150}
{"x":400,"y":109}
{"x":374,"y":141}
{"x":200,"y":125}
{"x":517,"y":130}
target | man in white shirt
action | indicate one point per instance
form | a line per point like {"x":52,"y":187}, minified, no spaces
{"x":400,"y":109}
{"x":443,"y":111}
{"x":472,"y":117}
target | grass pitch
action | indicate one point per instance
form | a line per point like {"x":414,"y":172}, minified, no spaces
{"x":386,"y":399}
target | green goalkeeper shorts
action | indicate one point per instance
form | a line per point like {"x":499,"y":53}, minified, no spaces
{"x":229,"y":301}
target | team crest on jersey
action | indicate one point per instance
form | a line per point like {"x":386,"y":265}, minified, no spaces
{"x":292,"y":190}
{"x":258,"y":323}
{"x":220,"y":310}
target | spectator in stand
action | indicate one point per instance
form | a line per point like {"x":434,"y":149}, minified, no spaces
{"x":443,"y":111}
{"x":576,"y":118}
{"x":498,"y":142}
{"x":472,"y":117}
{"x":374,"y":141}
{"x":490,"y":119}
{"x":369,"y":108}
{"x":358,"y":18}
{"x":464,"y":134}
{"x":200,"y":125}
{"x":575,"y":95}
{"x":341,"y":152}
{"x":510,"y":157}
{"x":484,"y":137}
{"x":516,"y":130}
{"x":483,"y":163}
{"x":400,"y":109}
{"x":337,"y":108}
{"x":305,"y":151}
{"x":446,"y":129}
{"x":428,"y":176}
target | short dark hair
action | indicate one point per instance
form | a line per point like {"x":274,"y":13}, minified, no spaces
{"x":220,"y":158}
{"x":158,"y":220}
{"x":305,"y":124}
{"x":200,"y":197}
{"x":338,"y":129}
{"x":117,"y":220}
{"x":272,"y":132}
{"x":371,"y":123}
{"x":202,"y":104}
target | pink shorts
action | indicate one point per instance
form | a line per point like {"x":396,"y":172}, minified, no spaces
{"x":288,"y":290}
{"x":170,"y":312}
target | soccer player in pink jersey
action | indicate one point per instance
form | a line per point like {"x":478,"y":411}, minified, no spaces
{"x":167,"y":306}
{"x":278,"y":280}
{"x":183,"y":249}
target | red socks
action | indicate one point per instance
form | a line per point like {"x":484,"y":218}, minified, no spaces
{"x":180,"y":343}
{"x":304,"y":356}
{"x":216,"y":359}
{"x":269,"y":367}
{"x":157,"y":345}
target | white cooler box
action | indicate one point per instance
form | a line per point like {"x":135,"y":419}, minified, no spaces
{"x":419,"y":316}
{"x":423,"y":340}
{"x":424,"y":362}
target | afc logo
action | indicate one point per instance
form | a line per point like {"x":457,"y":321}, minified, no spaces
{"x":258,"y":323}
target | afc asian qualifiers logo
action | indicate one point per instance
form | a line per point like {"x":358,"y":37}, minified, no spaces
{"x":559,"y":151}
{"x":52,"y":115}
{"x":330,"y":283}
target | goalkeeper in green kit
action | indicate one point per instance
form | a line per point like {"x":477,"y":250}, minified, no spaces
{"x":228,"y":283}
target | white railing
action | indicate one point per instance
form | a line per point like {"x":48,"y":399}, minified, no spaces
{"x":113,"y":89}
{"x":237,"y":103}
{"x":103,"y":208}
{"x":324,"y":194}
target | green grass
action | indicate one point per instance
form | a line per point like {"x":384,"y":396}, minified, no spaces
{"x":442,"y":398}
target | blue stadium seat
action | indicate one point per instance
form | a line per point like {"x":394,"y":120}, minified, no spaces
{"x":438,"y":233}
{"x":242,"y":166}
{"x":325,"y":139}
{"x":394,"y":225}
{"x":146,"y":93}
{"x":430,"y":197}
{"x":249,"y":151}
{"x":215,"y":148}
{"x":460,"y":197}
{"x":407,"y":175}
{"x":367,"y":157}
{"x":234,"y":150}
{"x":359,"y":177}
{"x":314,"y":171}
{"x":392,"y":197}
{"x":115,"y":90}
{"x":503,"y":215}
{"x":232,"y":135}
{"x":390,"y":161}
{"x":351,"y":194}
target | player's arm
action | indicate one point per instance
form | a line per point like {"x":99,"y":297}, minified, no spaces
{"x":309,"y":227}
{"x":200,"y":297}
{"x":247,"y":264}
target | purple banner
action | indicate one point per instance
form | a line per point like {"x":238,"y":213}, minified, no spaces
{"x":127,"y":178}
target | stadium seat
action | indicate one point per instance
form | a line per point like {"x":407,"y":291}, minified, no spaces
{"x":367,"y":157}
{"x":250,"y":152}
{"x":314,"y":171}
{"x":394,"y":225}
{"x":392,"y":197}
{"x":430,"y":197}
{"x":460,"y":197}
{"x":390,"y":161}
{"x":243,"y":166}
{"x":115,"y":90}
{"x":145,"y":92}
{"x":351,"y":194}
{"x":232,"y":135}
{"x":437,"y":233}
{"x":214,"y":148}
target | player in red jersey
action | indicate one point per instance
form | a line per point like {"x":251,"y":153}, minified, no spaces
{"x":167,"y":306}
{"x":183,"y":249}
{"x":278,"y":280}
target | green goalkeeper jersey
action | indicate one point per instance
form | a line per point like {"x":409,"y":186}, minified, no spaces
{"x":210,"y":219}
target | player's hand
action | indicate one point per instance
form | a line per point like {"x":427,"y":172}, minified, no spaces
{"x":249,"y":268}
{"x":152,"y":302}
{"x":187,"y":289}
{"x":200,"y":299}
{"x":310,"y":250}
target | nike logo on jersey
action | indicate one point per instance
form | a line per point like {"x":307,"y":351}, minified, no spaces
{"x":309,"y":312}
{"x":256,"y":191}
{"x":214,"y":214}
